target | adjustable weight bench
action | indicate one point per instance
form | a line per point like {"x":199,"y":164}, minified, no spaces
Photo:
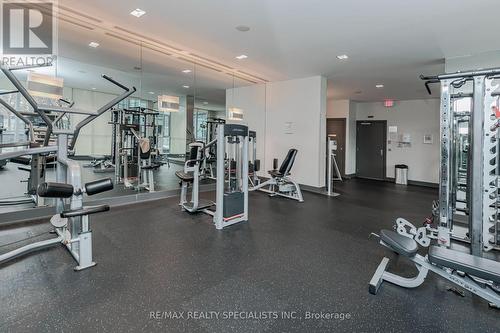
{"x":280,"y":183}
{"x":478,"y":275}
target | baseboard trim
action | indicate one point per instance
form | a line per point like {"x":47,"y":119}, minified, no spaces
{"x":415,"y":183}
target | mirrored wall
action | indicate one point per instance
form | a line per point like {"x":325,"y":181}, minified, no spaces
{"x":140,"y":142}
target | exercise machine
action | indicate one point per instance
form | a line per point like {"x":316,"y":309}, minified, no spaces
{"x":34,"y":164}
{"x":478,"y":275}
{"x":209,"y":162}
{"x":190,"y":176}
{"x":231,"y":204}
{"x":477,"y":175}
{"x":280,"y":183}
{"x":72,"y":224}
{"x":134,"y":147}
{"x":71,"y":221}
{"x":253,"y":162}
{"x":333,"y":167}
{"x":469,"y":167}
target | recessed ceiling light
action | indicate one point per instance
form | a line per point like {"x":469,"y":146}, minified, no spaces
{"x":205,"y":102}
{"x":94,"y":44}
{"x":379,"y":85}
{"x":186,"y":71}
{"x":151,"y":92}
{"x":137,"y":12}
{"x":243,"y":28}
{"x":93,"y":88}
{"x":241,"y":57}
{"x":343,"y":57}
{"x":185,"y":86}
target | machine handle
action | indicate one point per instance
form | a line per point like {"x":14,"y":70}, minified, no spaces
{"x":85,"y":211}
{"x":110,"y":79}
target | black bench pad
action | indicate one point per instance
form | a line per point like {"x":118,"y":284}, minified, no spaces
{"x":185,"y":176}
{"x":476,"y":266}
{"x":400,"y":244}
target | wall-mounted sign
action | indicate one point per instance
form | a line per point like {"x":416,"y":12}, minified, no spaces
{"x":289,"y":127}
{"x":45,"y":85}
{"x":428,"y":139}
{"x":235,"y":114}
{"x":168,"y":103}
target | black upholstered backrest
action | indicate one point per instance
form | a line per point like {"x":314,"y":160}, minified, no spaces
{"x":287,"y":164}
{"x":193,"y":155}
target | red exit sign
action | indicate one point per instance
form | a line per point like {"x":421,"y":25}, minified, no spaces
{"x":389,"y":103}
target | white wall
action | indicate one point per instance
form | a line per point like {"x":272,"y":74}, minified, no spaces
{"x":301,"y":102}
{"x":252,"y":99}
{"x":416,"y":118}
{"x":337,"y":108}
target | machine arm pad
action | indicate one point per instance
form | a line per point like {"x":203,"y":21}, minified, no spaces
{"x":98,"y":186}
{"x":55,"y":190}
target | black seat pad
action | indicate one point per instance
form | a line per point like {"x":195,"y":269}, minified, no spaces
{"x":400,"y":244}
{"x":476,"y":266}
{"x":277,"y":174}
{"x":185,"y":176}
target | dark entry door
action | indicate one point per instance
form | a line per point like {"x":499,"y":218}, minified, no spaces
{"x":336,"y":127}
{"x":370,"y":149}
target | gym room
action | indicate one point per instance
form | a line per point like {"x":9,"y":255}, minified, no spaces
{"x":249,"y":166}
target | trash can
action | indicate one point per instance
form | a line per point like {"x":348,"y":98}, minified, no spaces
{"x":401,"y":174}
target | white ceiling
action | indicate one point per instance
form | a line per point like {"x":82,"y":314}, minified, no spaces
{"x":388,"y":41}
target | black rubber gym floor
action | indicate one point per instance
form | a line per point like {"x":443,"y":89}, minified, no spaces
{"x":155,"y":261}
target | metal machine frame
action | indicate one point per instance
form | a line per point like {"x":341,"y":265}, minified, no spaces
{"x":482,"y":182}
{"x":126,"y":153}
{"x":482,"y":288}
{"x":231,"y":204}
{"x":253,"y":161}
{"x":192,"y":171}
{"x":470,"y":271}
{"x":332,"y":166}
{"x":281,"y":185}
{"x":71,"y":226}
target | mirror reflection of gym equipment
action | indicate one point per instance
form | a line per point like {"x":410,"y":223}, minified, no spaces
{"x":249,"y":166}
